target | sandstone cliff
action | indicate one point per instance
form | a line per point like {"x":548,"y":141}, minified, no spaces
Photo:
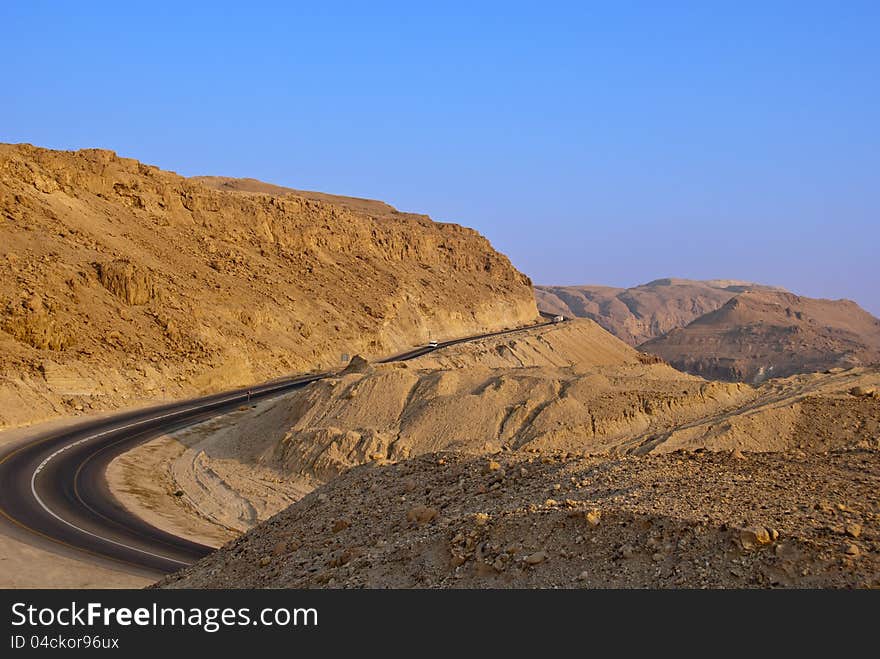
{"x":120,"y":282}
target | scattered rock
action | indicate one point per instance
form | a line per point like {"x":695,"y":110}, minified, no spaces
{"x":421,"y":515}
{"x":753,"y":537}
{"x":537,"y":557}
{"x":853,"y":530}
{"x":492,"y":465}
{"x":862,"y":391}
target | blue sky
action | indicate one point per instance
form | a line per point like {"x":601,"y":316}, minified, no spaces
{"x":610,"y":143}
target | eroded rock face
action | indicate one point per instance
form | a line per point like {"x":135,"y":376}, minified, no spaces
{"x":131,"y":284}
{"x":36,"y":329}
{"x":216,"y":285}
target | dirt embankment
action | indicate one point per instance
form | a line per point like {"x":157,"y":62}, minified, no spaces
{"x":120,"y":282}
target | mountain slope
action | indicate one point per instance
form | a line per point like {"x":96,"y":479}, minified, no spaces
{"x":761,"y":334}
{"x":643,"y":312}
{"x":121,"y":282}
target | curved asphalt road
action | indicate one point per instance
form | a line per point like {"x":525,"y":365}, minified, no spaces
{"x":54,"y":490}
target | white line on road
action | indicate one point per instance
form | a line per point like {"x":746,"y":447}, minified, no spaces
{"x":43,"y":464}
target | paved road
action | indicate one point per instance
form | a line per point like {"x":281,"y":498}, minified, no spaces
{"x":53,"y":491}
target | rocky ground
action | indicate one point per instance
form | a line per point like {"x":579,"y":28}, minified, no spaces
{"x":121,"y":283}
{"x":559,"y":520}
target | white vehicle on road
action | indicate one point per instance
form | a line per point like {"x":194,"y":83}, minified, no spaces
{"x":433,"y":344}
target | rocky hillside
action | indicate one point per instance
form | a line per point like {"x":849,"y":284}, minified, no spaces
{"x":120,"y":282}
{"x":644,"y":312}
{"x":562,"y":520}
{"x":763,"y":334}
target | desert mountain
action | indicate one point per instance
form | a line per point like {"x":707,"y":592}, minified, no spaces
{"x":120,"y":282}
{"x":643,"y":312}
{"x":762,"y":334}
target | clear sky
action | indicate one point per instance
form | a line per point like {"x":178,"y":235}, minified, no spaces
{"x":613,"y":142}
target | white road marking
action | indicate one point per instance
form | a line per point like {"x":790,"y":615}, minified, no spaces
{"x":43,"y":464}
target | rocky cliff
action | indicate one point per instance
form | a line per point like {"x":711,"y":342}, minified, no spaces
{"x":120,"y":282}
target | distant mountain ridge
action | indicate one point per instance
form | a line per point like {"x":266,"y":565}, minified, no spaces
{"x":761,"y":334}
{"x":643,"y":312}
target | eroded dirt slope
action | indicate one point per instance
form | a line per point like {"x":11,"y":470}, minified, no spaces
{"x":120,"y":282}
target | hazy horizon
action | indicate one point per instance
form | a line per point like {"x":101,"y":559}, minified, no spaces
{"x":592,"y":145}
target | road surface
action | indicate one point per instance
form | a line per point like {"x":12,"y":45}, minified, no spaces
{"x":53,"y":491}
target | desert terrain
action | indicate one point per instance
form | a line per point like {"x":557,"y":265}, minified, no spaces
{"x":676,"y":434}
{"x":122,"y":284}
{"x":516,"y":429}
{"x":561,"y":520}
